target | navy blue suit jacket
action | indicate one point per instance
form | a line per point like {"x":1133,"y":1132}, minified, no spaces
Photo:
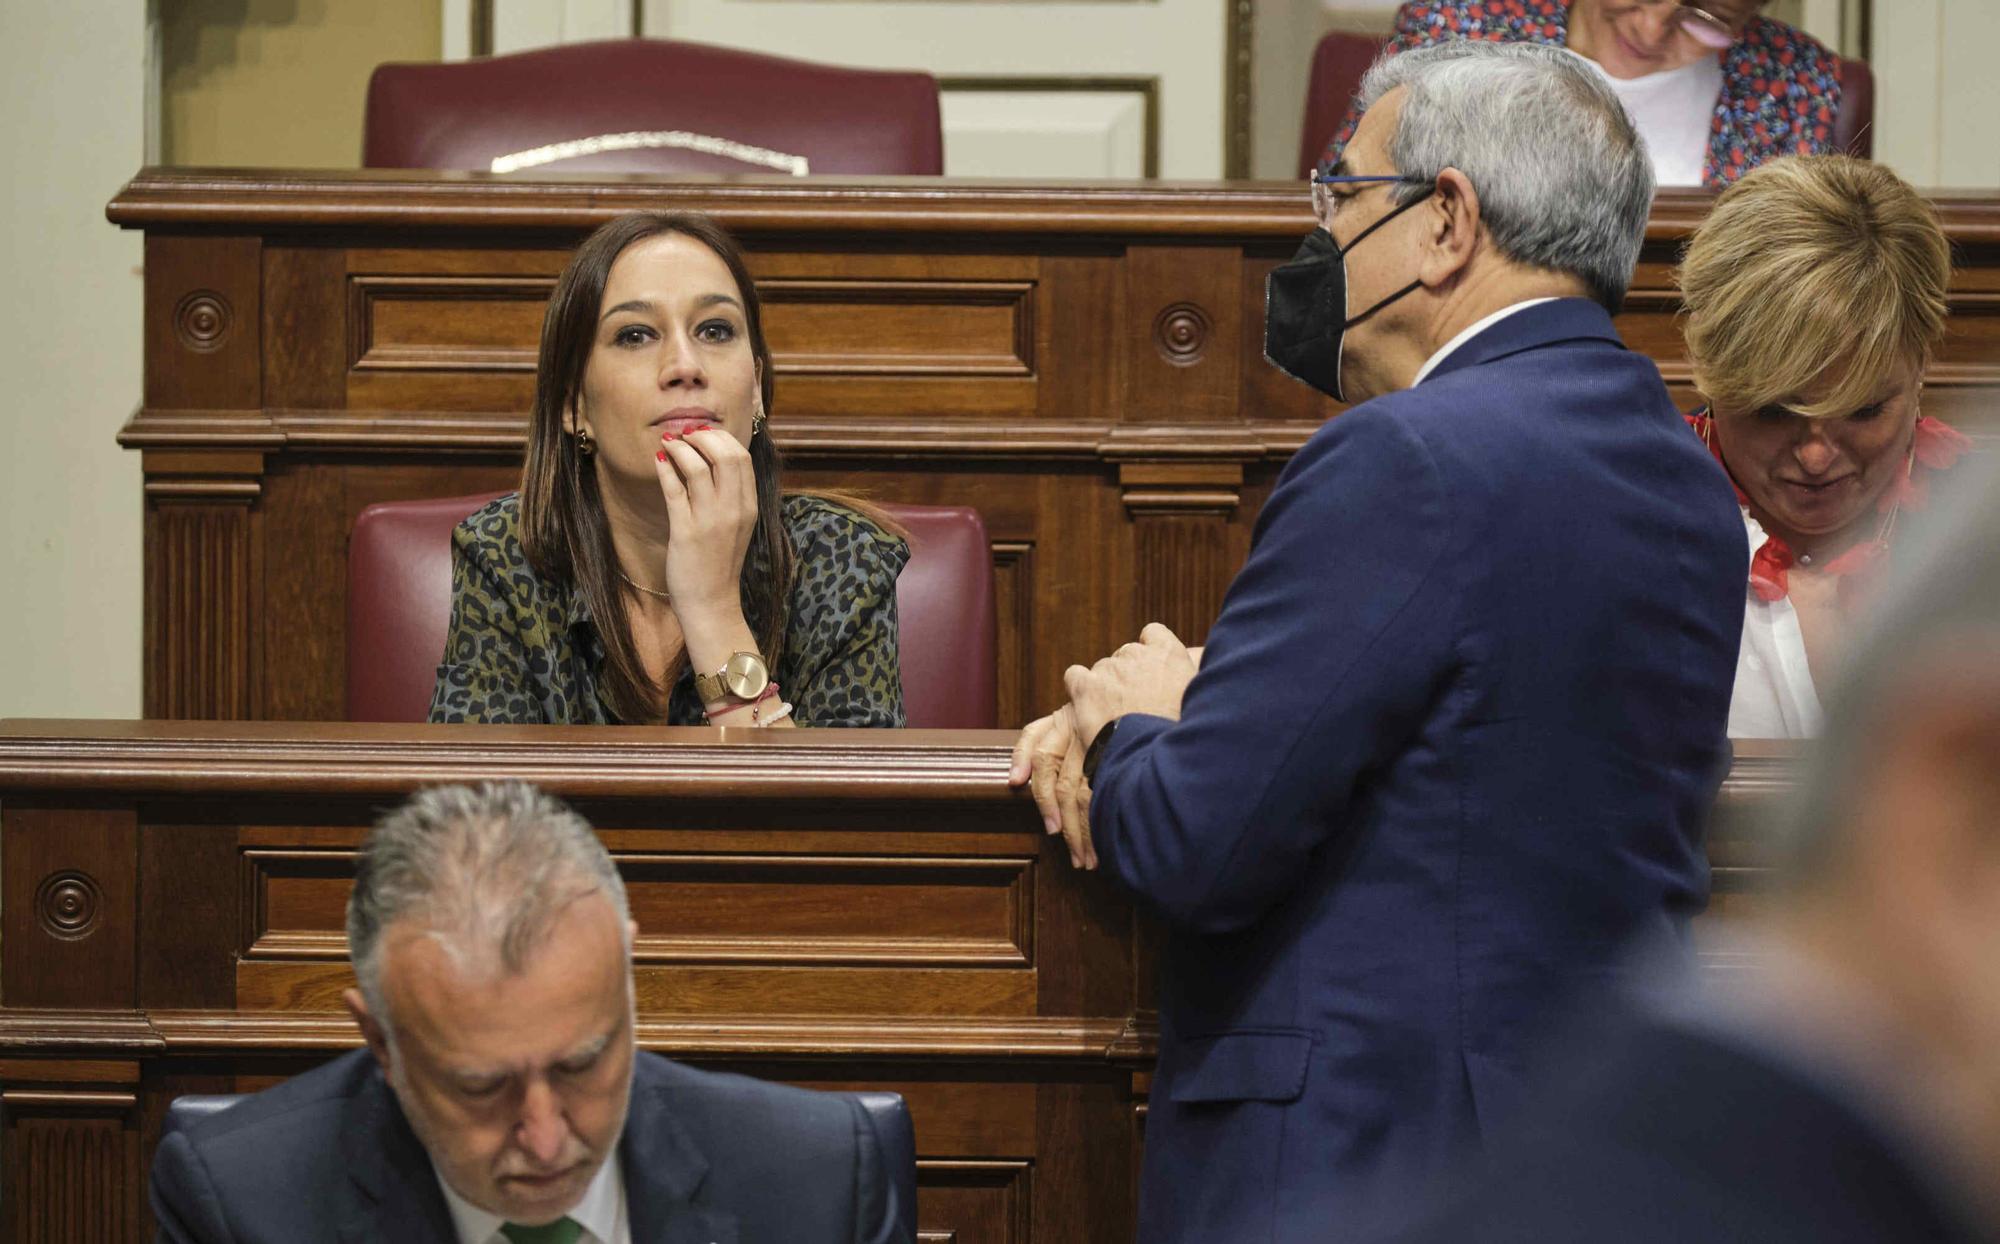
{"x":1450,"y":746}
{"x":328,"y":1156}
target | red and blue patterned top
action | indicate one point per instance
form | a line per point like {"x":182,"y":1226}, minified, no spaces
{"x":1780,"y":86}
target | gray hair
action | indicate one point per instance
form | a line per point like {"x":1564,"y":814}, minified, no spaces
{"x":487,"y":871}
{"x":1939,"y":603}
{"x":1563,"y":177}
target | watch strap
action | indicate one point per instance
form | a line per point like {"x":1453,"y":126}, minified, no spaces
{"x":1094,"y":754}
{"x":717,"y":687}
{"x":709,"y":688}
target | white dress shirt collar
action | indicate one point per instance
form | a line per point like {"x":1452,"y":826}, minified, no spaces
{"x":601,"y":1212}
{"x":1471,"y":331}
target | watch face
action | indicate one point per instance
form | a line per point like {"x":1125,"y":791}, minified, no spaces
{"x":745,"y":676}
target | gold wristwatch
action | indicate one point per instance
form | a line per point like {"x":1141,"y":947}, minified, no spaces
{"x":742,"y":677}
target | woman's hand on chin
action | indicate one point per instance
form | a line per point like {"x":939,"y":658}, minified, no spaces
{"x":711,"y":493}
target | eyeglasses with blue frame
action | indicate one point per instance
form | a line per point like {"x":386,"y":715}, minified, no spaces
{"x":1322,"y":180}
{"x":1333,"y":179}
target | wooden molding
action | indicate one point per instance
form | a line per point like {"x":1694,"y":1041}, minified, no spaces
{"x":1155,"y":488}
{"x":241,"y":758}
{"x":67,"y":1099}
{"x":282,"y":201}
{"x":191,"y":1032}
{"x":1239,"y":86}
{"x":363,"y":759}
{"x":76,"y":1033}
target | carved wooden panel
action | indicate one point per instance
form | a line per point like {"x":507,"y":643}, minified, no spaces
{"x":699,"y":908}
{"x":461,"y":323}
{"x":973,"y":1201}
{"x":847,"y":327}
{"x":1013,"y":605}
{"x":70,"y":879}
{"x":201,"y":592}
{"x":204,"y":340}
{"x":1182,"y":320}
{"x":1184,"y":537}
{"x":71,"y":1166}
{"x":69,"y":1149}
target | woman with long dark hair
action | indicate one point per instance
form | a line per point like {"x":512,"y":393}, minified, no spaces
{"x":651,"y":569}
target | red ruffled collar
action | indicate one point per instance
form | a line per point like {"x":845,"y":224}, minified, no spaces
{"x":1935,"y":447}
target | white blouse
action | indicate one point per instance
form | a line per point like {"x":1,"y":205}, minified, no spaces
{"x":1774,"y":696}
{"x":1675,"y":112}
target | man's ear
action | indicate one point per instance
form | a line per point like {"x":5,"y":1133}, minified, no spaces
{"x":372,"y":1029}
{"x":1452,"y":218}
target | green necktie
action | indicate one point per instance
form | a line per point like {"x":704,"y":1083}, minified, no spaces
{"x":561,"y":1231}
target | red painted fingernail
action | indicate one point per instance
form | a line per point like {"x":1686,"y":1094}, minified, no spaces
{"x":706,"y":427}
{"x":662,"y":455}
{"x":666,"y":436}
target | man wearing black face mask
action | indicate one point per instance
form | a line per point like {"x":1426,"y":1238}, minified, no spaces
{"x":1306,"y":299}
{"x":1457,"y":725}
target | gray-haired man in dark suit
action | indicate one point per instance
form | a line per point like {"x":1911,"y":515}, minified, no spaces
{"x":502,"y":1097}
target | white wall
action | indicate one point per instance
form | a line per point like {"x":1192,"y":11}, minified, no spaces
{"x":1181,"y":42}
{"x":73,"y":77}
{"x":1935,"y":90}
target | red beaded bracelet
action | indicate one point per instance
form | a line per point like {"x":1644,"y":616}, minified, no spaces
{"x":770,"y":689}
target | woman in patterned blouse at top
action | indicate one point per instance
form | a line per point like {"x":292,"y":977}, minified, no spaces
{"x":1814,"y":297}
{"x":650,"y":541}
{"x":1715,"y":88}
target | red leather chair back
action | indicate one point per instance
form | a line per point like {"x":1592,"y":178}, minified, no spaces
{"x":399,"y":604}
{"x":1338,"y":63}
{"x":1854,"y":126}
{"x":1341,"y":59}
{"x":944,"y":608}
{"x":651,"y":105}
{"x":399,"y":608}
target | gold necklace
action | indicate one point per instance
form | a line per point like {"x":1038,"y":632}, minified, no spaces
{"x":640,"y":587}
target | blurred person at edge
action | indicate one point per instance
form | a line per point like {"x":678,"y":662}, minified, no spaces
{"x":1840,"y":1083}
{"x":1454,"y":733}
{"x":502,"y":1098}
{"x":1815,"y":296}
{"x":1716,"y":88}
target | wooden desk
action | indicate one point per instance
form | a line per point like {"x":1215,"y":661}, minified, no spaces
{"x":836,"y":908}
{"x":1082,"y":362}
{"x":830,"y":908}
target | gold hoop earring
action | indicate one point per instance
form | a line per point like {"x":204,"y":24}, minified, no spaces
{"x":584,"y":445}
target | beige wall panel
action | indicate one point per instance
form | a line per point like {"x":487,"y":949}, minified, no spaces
{"x":1968,"y":149}
{"x":1034,"y":134}
{"x":1181,"y":42}
{"x":1935,"y":90}
{"x":279,"y":83}
{"x":522,"y":24}
{"x":70,"y":350}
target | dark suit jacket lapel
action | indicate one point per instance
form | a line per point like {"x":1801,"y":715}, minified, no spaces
{"x":1546,"y":324}
{"x":396,"y":1196}
{"x":664,"y":1169}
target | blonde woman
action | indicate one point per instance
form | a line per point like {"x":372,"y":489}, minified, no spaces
{"x":1814,"y":297}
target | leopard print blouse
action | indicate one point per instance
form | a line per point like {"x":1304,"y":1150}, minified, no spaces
{"x":521,"y":650}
